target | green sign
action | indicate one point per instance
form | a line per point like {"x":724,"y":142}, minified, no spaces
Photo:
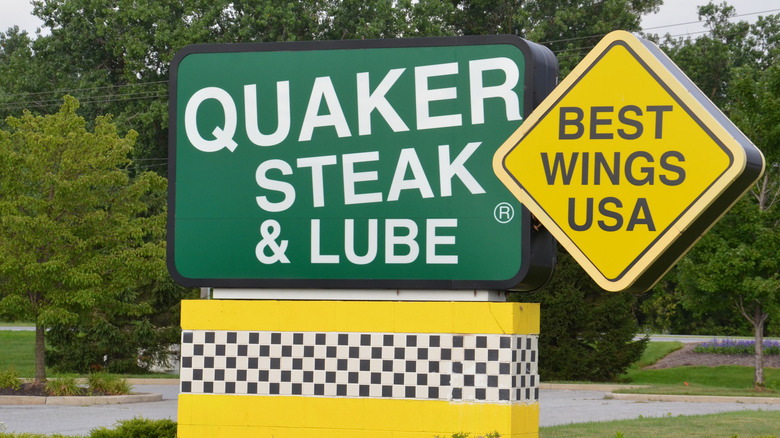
{"x":360,"y":164}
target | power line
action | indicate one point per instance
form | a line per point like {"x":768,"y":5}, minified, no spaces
{"x":143,"y":95}
{"x":69,"y":90}
{"x":699,"y":21}
{"x":105,"y":98}
{"x":601,"y":35}
{"x":572,"y":51}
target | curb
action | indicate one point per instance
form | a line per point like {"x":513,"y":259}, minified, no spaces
{"x":694,"y":398}
{"x":609,"y":394}
{"x":606,"y":387}
{"x":80,"y":401}
{"x":145,"y":381}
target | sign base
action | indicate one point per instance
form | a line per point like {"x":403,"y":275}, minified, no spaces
{"x":358,"y":369}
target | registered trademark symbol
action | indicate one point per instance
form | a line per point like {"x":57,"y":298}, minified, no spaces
{"x":504,"y":212}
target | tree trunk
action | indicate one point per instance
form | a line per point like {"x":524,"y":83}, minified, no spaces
{"x":758,"y":355}
{"x":40,"y":353}
{"x":757,"y":319}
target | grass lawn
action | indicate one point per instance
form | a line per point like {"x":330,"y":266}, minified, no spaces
{"x":656,"y":351}
{"x":722,"y":380}
{"x":698,"y":380}
{"x":744,"y":424}
{"x":18,"y":349}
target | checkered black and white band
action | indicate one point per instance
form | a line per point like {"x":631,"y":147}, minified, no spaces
{"x":453,"y":367}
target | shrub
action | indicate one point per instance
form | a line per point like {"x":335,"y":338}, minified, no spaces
{"x":138,"y":428}
{"x":586,"y":333}
{"x":9,"y":378}
{"x":106,"y":383}
{"x":63,"y":386}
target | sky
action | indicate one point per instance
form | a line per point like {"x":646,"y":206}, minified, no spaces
{"x":685,"y":11}
{"x":19,"y":12}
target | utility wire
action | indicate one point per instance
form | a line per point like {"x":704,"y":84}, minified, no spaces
{"x":573,"y":51}
{"x":105,"y":98}
{"x":143,"y":95}
{"x":699,"y":21}
{"x":651,"y":28}
{"x":69,"y":90}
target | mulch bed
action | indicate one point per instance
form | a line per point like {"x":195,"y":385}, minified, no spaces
{"x":35,"y":389}
{"x":686,"y":357}
{"x":39,"y":390}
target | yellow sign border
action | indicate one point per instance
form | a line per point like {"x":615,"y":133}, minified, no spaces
{"x":747,"y":165}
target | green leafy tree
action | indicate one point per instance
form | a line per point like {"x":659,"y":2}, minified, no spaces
{"x":730,"y":266}
{"x":737,"y":263}
{"x":735,"y":266}
{"x":77,"y":234}
{"x":709,"y":60}
{"x":586,"y":333}
{"x":114,"y":55}
{"x":570,"y":29}
{"x":662,"y":311}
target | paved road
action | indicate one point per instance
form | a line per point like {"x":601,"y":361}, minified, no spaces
{"x":17,"y":329}
{"x":79,"y":420}
{"x":556,"y":407}
{"x":565,"y":407}
{"x":695,"y":338}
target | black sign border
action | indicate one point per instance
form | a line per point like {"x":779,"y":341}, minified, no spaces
{"x":538,"y":248}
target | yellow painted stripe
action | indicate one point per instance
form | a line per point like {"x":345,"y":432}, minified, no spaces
{"x":208,"y":415}
{"x":361,"y":316}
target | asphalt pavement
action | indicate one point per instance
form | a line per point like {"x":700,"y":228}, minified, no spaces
{"x":556,"y":407}
{"x":578,"y":406}
{"x":22,"y":328}
{"x":80,"y":420}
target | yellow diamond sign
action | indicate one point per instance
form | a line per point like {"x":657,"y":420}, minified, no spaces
{"x":627,"y":163}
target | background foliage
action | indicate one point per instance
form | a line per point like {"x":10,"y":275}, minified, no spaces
{"x":82,"y":246}
{"x":586,"y":333}
{"x":114,"y":56}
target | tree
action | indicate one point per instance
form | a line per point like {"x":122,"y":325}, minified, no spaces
{"x":570,"y":29}
{"x":114,"y":55}
{"x":736,"y":263}
{"x":127,"y":332}
{"x":662,"y":311}
{"x":76,"y":231}
{"x":710,"y":59}
{"x":586,"y":333}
